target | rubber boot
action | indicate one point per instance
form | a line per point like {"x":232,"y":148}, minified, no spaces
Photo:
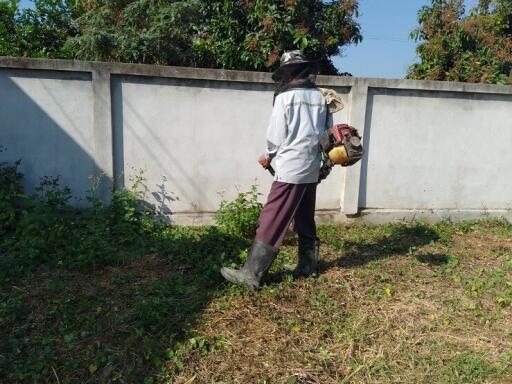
{"x":258,"y":262}
{"x":308,"y":258}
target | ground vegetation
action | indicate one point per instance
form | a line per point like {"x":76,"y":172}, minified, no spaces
{"x":113,"y":294}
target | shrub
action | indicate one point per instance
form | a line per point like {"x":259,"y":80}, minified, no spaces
{"x":11,"y":192}
{"x":240,"y":216}
{"x":43,"y":230}
{"x":49,"y":231}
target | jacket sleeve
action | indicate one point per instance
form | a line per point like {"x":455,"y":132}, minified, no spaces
{"x":277,"y":128}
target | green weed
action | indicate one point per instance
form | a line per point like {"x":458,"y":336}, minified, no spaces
{"x":468,"y":368}
{"x":11,"y":194}
{"x":240,"y":216}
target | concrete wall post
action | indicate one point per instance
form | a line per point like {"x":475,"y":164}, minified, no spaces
{"x":102,"y":125}
{"x":357,"y":116}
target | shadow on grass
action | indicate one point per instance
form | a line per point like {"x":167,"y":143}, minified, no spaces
{"x":119,"y":323}
{"x":357,"y":245}
{"x":399,"y":241}
{"x":433,"y":258}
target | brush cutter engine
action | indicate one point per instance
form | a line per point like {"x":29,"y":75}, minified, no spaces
{"x":341,"y":145}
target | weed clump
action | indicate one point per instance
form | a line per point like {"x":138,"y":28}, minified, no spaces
{"x":45,"y":229}
{"x":11,"y":192}
{"x":87,"y":291}
{"x":240,"y":216}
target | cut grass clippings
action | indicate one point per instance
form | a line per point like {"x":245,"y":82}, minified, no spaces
{"x":398,"y":303}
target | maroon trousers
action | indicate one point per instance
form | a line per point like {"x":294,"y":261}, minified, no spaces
{"x":287,"y":202}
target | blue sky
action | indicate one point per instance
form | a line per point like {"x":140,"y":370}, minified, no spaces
{"x":25,"y":3}
{"x":386,"y":50}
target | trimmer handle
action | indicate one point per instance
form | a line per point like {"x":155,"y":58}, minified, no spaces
{"x":271,"y":170}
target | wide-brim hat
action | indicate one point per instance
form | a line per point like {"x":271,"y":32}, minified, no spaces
{"x":289,"y":60}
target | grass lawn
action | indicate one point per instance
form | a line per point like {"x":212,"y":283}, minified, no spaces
{"x":401,"y":303}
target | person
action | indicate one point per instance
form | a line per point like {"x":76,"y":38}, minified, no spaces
{"x":299,"y":117}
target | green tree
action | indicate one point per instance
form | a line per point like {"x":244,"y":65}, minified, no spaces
{"x":241,"y":34}
{"x":234,"y":34}
{"x":252,"y":35}
{"x":137,"y":31}
{"x":44,"y":30}
{"x":39,"y":32}
{"x":456,"y":47}
{"x":8,"y":28}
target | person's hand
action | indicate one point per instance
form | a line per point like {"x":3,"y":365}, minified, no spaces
{"x":264,"y":161}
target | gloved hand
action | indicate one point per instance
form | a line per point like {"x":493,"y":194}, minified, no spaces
{"x":325,"y":169}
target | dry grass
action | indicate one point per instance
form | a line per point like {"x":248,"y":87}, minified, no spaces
{"x":409,"y":317}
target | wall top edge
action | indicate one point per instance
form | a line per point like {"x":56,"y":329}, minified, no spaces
{"x":242,"y":76}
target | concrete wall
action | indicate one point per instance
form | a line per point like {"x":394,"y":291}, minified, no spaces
{"x":197,"y":141}
{"x":46,"y":120}
{"x":437,"y":150}
{"x":434,"y":149}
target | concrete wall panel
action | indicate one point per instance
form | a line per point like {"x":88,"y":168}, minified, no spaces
{"x":437,"y":150}
{"x":197,"y":142}
{"x":46,"y":121}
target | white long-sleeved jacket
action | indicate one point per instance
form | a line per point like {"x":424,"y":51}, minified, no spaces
{"x":298,"y":119}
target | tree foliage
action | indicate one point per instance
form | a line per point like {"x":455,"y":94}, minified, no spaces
{"x":137,"y":31}
{"x":8,"y":29}
{"x":253,"y":34}
{"x":39,"y":32}
{"x":472,"y":48}
{"x":234,"y":34}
